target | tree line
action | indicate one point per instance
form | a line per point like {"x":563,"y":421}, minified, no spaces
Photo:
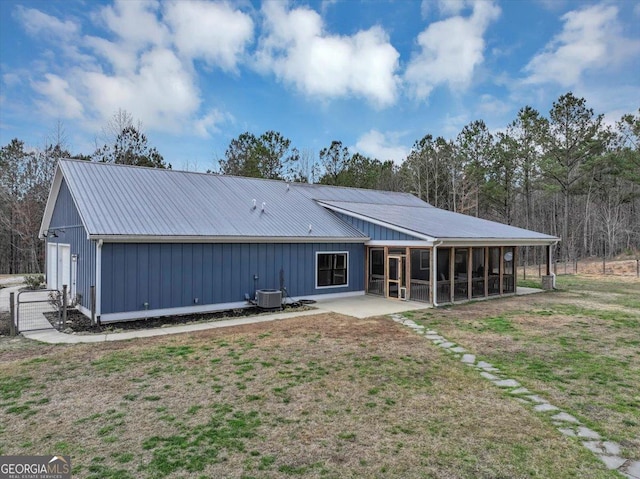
{"x":567,"y":173}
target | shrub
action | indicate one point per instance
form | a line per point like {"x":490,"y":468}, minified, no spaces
{"x":35,"y":281}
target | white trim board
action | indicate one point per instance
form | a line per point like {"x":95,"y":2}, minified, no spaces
{"x":225,"y":239}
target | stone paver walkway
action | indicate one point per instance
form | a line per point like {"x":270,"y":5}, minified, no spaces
{"x":607,"y":451}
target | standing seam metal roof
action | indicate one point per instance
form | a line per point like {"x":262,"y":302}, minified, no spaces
{"x":437,"y":223}
{"x":127,"y":201}
{"x":133,"y":201}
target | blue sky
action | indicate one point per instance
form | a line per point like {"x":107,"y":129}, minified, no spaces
{"x":375,"y":75}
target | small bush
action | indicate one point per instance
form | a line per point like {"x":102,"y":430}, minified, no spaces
{"x":35,"y":281}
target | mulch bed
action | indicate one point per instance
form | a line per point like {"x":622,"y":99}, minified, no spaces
{"x":79,"y":323}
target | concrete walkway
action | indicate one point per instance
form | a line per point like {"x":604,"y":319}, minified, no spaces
{"x":357,"y":306}
{"x":607,"y":451}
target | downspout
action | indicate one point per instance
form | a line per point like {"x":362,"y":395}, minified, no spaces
{"x":434,"y":260}
{"x":98,"y":279}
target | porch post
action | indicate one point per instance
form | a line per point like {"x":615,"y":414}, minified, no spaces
{"x":548,"y":260}
{"x":452,"y":270}
{"x":366,"y":269}
{"x":434,"y":275}
{"x":515,"y":269}
{"x":469,"y":272}
{"x":501,"y":270}
{"x":486,"y":271}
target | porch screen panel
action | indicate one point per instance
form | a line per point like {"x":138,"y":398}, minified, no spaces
{"x":508,"y":278}
{"x":444,"y":284}
{"x":478,"y":270}
{"x":494,"y":271}
{"x":420,"y":275}
{"x":461,"y":270}
{"x":376,"y":271}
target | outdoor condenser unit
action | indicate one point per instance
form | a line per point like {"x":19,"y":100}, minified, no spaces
{"x":269,"y":298}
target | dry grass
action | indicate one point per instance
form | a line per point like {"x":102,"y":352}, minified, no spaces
{"x":580,"y":348}
{"x":320,"y":396}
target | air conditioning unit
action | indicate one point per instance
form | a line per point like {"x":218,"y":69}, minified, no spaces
{"x":269,"y":298}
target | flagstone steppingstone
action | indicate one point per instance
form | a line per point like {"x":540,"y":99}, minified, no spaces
{"x":607,"y":451}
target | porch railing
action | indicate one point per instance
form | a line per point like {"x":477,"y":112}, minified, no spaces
{"x":461,"y":289}
{"x":419,"y":290}
{"x":444,"y":291}
{"x":508,"y":285}
{"x":494,"y":285}
{"x":477,"y":287}
{"x":376,"y":284}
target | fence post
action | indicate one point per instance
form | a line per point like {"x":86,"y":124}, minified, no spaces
{"x":12,"y":312}
{"x":64,"y":306}
{"x":93,"y":305}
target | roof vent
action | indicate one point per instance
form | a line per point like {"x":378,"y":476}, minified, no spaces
{"x":310,"y":228}
{"x":263,"y":205}
{"x":254,"y":203}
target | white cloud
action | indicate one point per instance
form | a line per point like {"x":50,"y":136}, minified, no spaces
{"x":214,"y":32}
{"x":59,"y":102}
{"x":160,"y":92}
{"x":142,"y":62}
{"x":450,"y":51}
{"x":590,"y":39}
{"x":452,"y":7}
{"x":209,"y":123}
{"x":382,"y":146}
{"x":492,"y":106}
{"x":36,"y":22}
{"x":298,"y":50}
{"x":446,"y":8}
{"x":135,"y":22}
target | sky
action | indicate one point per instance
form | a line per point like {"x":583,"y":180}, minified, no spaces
{"x":375,"y":75}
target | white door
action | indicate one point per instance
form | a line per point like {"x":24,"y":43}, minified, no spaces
{"x":64,"y":266}
{"x":59,"y":266}
{"x":52,"y":266}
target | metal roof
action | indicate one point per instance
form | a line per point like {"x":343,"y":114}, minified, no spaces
{"x":436,"y":223}
{"x":118,"y":200}
{"x":121,"y":202}
{"x":358,"y":195}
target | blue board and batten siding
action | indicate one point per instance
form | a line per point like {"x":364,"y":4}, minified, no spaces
{"x":376,"y":232}
{"x":173,"y":275}
{"x":68,"y":226}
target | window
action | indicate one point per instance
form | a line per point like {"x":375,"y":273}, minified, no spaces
{"x":331,"y":269}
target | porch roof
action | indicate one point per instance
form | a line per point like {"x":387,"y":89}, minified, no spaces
{"x":433,"y":224}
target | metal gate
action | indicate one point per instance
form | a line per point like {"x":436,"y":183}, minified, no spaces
{"x":37,"y":310}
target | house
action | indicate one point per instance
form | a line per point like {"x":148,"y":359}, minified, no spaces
{"x":139,"y":242}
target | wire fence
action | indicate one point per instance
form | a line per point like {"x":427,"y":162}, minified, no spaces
{"x":598,"y":266}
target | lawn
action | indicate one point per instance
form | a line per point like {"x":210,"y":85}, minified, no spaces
{"x":323,"y":396}
{"x":578,"y":347}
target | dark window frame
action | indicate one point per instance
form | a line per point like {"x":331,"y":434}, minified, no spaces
{"x":333,"y":266}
